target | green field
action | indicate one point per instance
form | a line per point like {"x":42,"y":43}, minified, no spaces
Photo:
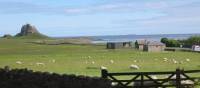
{"x":87,"y":59}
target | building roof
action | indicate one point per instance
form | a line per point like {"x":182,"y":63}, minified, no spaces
{"x":141,"y":42}
{"x":155,"y":43}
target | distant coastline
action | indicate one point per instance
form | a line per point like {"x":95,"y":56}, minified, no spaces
{"x":133,"y":37}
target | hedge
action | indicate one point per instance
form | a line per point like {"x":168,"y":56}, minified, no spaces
{"x":23,"y":78}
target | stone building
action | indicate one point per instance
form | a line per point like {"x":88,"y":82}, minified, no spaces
{"x":118,"y":45}
{"x":150,"y":46}
{"x":154,"y":46}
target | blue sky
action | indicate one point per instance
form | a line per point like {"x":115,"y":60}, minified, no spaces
{"x":101,"y":17}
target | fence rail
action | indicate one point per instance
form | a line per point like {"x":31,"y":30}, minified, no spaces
{"x":145,"y":79}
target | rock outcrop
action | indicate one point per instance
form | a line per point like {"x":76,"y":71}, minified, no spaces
{"x":30,"y":32}
{"x":28,"y":29}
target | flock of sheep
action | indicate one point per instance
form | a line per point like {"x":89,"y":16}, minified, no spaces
{"x":132,"y":66}
{"x":37,"y":63}
{"x":137,"y":67}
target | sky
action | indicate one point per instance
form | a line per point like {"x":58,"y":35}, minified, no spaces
{"x":101,"y":17}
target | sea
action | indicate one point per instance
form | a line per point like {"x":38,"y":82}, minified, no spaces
{"x":128,"y":38}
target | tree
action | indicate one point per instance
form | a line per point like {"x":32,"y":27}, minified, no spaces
{"x":136,"y":44}
{"x":170,"y":42}
{"x":164,"y":40}
{"x":193,"y":40}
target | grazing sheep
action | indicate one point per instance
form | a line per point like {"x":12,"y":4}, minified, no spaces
{"x":134,"y":67}
{"x":18,"y":62}
{"x":103,"y":68}
{"x":93,"y":62}
{"x":187,"y":82}
{"x":188,"y":60}
{"x":114,"y":84}
{"x":40,"y":64}
{"x":165,"y":59}
{"x":53,"y":61}
{"x":146,"y":83}
{"x":89,"y":57}
{"x":135,"y":61}
{"x":111,"y":61}
{"x":174,"y":61}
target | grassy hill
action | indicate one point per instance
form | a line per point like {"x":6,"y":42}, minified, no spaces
{"x":32,"y":36}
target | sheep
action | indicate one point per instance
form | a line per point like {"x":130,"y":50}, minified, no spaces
{"x":146,"y":83}
{"x":111,"y":61}
{"x":154,"y":77}
{"x":53,"y":61}
{"x":165,"y":59}
{"x":18,"y":62}
{"x":134,"y":67}
{"x":93,"y":62}
{"x":188,"y":82}
{"x":40,"y":64}
{"x":135,"y":61}
{"x":103,"y":68}
{"x":188,"y":60}
{"x":114,"y":84}
{"x":89,"y":57}
{"x":174,"y":61}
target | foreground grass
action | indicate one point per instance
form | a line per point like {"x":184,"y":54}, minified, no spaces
{"x":87,"y":59}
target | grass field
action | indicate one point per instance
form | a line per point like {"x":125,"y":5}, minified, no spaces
{"x":87,"y":59}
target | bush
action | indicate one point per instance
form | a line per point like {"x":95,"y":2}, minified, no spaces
{"x":171,"y":42}
{"x":194,"y":40}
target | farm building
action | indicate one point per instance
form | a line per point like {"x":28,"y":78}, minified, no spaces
{"x":196,"y":48}
{"x":118,"y":45}
{"x":140,"y":44}
{"x":154,"y":46}
{"x":150,"y":46}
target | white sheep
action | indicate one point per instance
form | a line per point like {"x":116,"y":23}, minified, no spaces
{"x":134,"y":67}
{"x":93,"y":62}
{"x":187,"y":82}
{"x":40,"y":64}
{"x":165,"y":59}
{"x":102,"y":67}
{"x":135,"y":61}
{"x":114,"y":84}
{"x":89,"y":57}
{"x":18,"y":62}
{"x":53,"y":61}
{"x":188,"y":60}
{"x":174,"y":61}
{"x":154,"y":77}
{"x":146,"y":83}
{"x":111,"y":61}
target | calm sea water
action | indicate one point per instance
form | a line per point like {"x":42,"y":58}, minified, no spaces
{"x":125,"y":38}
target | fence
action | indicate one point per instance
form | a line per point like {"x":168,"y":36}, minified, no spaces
{"x":145,"y":79}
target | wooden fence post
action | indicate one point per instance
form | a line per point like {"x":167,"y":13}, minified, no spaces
{"x":142,"y":81}
{"x":104,"y":73}
{"x":178,"y":78}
